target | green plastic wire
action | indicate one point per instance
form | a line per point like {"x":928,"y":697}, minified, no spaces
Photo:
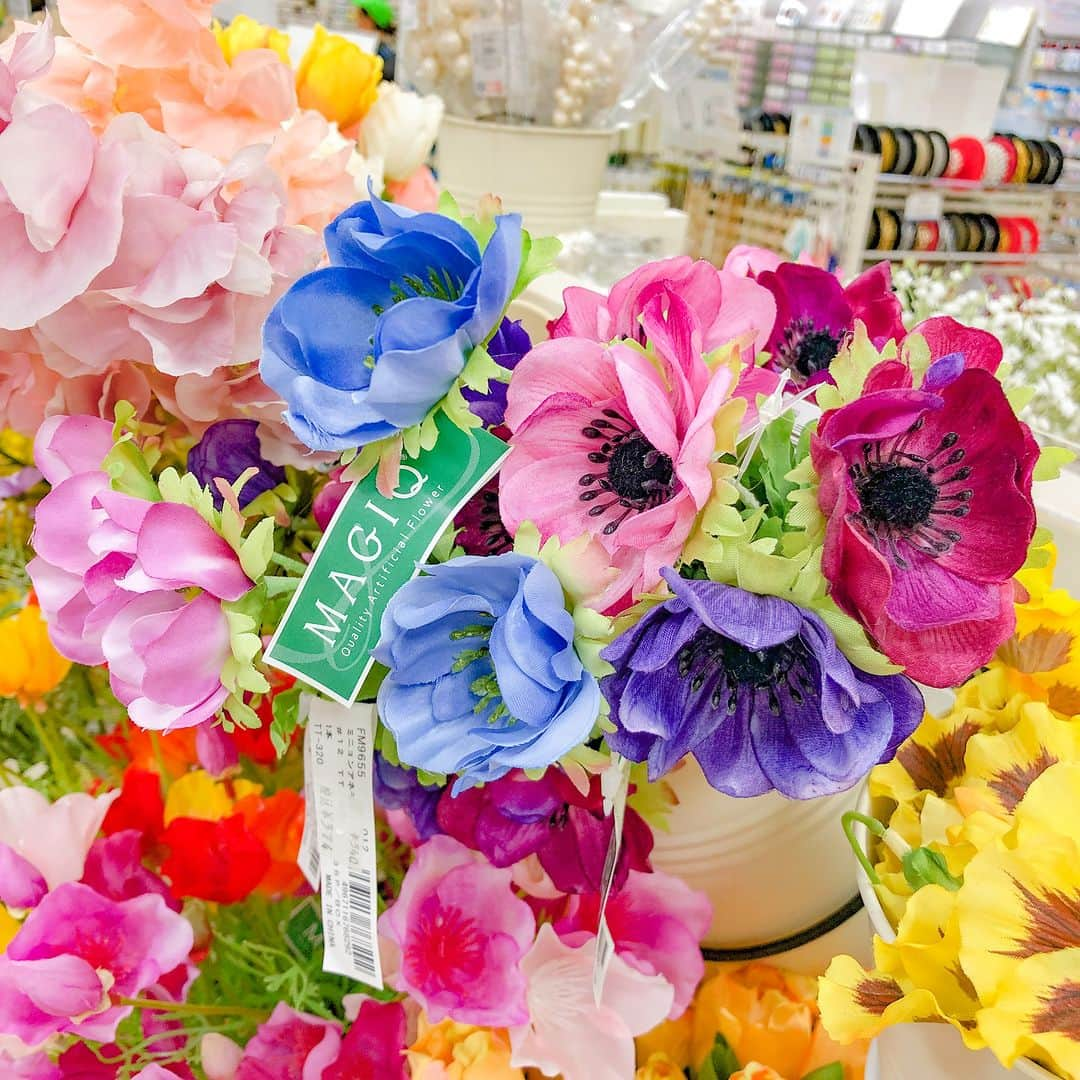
{"x":874,"y":826}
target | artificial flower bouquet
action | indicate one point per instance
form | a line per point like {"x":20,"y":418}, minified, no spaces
{"x":282,"y":513}
{"x":975,"y":855}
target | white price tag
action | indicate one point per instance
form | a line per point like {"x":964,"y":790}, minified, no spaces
{"x":342,"y":751}
{"x":491,"y":69}
{"x":924,"y":205}
{"x":308,"y":856}
{"x":615,"y":784}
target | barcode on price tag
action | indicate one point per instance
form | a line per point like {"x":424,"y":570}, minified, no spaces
{"x":489,"y":58}
{"x":341,"y":740}
{"x":616,"y":785}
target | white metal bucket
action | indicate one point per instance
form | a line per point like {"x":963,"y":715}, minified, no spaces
{"x":552,"y":176}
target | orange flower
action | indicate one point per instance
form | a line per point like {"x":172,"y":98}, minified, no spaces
{"x":173,"y":752}
{"x":768,"y":1017}
{"x":31,"y":667}
{"x":278,"y":821}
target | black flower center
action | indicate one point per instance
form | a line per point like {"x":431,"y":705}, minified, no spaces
{"x":731,"y":669}
{"x":635,"y":475}
{"x":496,"y":539}
{"x":815,"y":352}
{"x":637,"y":470}
{"x":910,"y":497}
{"x":900,"y":495}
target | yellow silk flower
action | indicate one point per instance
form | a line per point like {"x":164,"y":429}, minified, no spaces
{"x":453,"y":1051}
{"x":198,"y":795}
{"x":30,"y":665}
{"x":768,"y":1017}
{"x":338,"y":78}
{"x":659,"y":1067}
{"x":244,"y":33}
{"x":1042,"y":657}
{"x":1019,"y":911}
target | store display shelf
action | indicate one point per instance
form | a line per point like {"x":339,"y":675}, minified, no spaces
{"x":946,"y":183}
{"x":996,"y":258}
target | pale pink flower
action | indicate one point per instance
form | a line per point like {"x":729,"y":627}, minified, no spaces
{"x":313,"y":160}
{"x":27,"y":386}
{"x":611,"y":442}
{"x":461,"y":933}
{"x":567,"y":1033}
{"x":419,"y":192}
{"x":23,"y":56}
{"x":203,"y":255}
{"x":77,"y":953}
{"x":139,"y":33}
{"x":61,"y":209}
{"x":50,"y":841}
{"x":81,"y":82}
{"x":656,"y":921}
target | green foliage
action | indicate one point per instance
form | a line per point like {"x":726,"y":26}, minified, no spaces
{"x":721,"y":1062}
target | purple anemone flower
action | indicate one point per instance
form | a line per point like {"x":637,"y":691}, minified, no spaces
{"x":226,"y":449}
{"x":814,"y":314}
{"x":398,"y":788}
{"x":757,"y":689}
{"x":508,"y":345}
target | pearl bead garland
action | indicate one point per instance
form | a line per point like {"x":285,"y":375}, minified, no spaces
{"x":708,"y":28}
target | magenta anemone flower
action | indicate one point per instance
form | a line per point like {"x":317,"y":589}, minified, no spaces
{"x":814,"y":314}
{"x":616,"y":442}
{"x":461,"y":933}
{"x":927,"y":494}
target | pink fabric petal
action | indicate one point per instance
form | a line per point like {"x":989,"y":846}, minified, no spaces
{"x":43,"y":188}
{"x":748,"y":310}
{"x":66,"y":520}
{"x":35,"y":283}
{"x":945,"y":335}
{"x":925,"y":594}
{"x":647,"y":397}
{"x":21,"y":884}
{"x":29,"y":54}
{"x":178,"y":548}
{"x":201,"y":254}
{"x":153,"y":716}
{"x":38,"y":997}
{"x":66,"y":445}
{"x":185,"y":662}
{"x":560,"y":366}
{"x":118,"y":638}
{"x":877,"y":416}
{"x":290,"y":1044}
{"x":584,"y":315}
{"x":873,"y":302}
{"x":748,"y":261}
{"x":53,"y":837}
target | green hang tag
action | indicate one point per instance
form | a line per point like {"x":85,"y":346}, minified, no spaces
{"x":302,"y":930}
{"x":373,"y":546}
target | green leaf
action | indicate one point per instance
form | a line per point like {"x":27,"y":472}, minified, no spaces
{"x":128,"y":471}
{"x":924,"y":866}
{"x":721,"y":1062}
{"x":448,"y":206}
{"x":1051,"y":461}
{"x":286,"y":710}
{"x":256,"y":549}
{"x":834,"y":1071}
{"x":480,"y":369}
{"x":537,"y":257}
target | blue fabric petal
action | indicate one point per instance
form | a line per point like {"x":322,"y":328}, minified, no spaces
{"x":498,"y":273}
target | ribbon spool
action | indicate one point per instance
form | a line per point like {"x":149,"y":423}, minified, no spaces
{"x":1023,"y":160}
{"x":888,"y":148}
{"x":967,"y":159}
{"x":941,"y":153}
{"x":905,"y":151}
{"x":924,"y":153}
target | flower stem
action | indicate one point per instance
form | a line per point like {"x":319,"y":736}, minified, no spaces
{"x":295,"y":565}
{"x":873,"y":826}
{"x":183,"y":1008}
{"x":58,"y":762}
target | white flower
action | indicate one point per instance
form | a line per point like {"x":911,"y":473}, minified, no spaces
{"x":401,"y":129}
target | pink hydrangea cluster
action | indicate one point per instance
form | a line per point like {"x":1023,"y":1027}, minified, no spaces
{"x":114,"y":574}
{"x":150,"y":224}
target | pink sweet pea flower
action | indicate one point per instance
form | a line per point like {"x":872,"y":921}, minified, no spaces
{"x":567,"y":1033}
{"x":81,"y":82}
{"x":657,"y":923}
{"x":114,"y":869}
{"x":374,"y":1046}
{"x":76,"y":953}
{"x":927,"y":495}
{"x":461,"y":933}
{"x":112,"y":572}
{"x":420,"y":192}
{"x":26,"y":55}
{"x":289,"y":1046}
{"x":611,"y":442}
{"x":728,"y":307}
{"x":43,"y":844}
{"x":35,"y":1066}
